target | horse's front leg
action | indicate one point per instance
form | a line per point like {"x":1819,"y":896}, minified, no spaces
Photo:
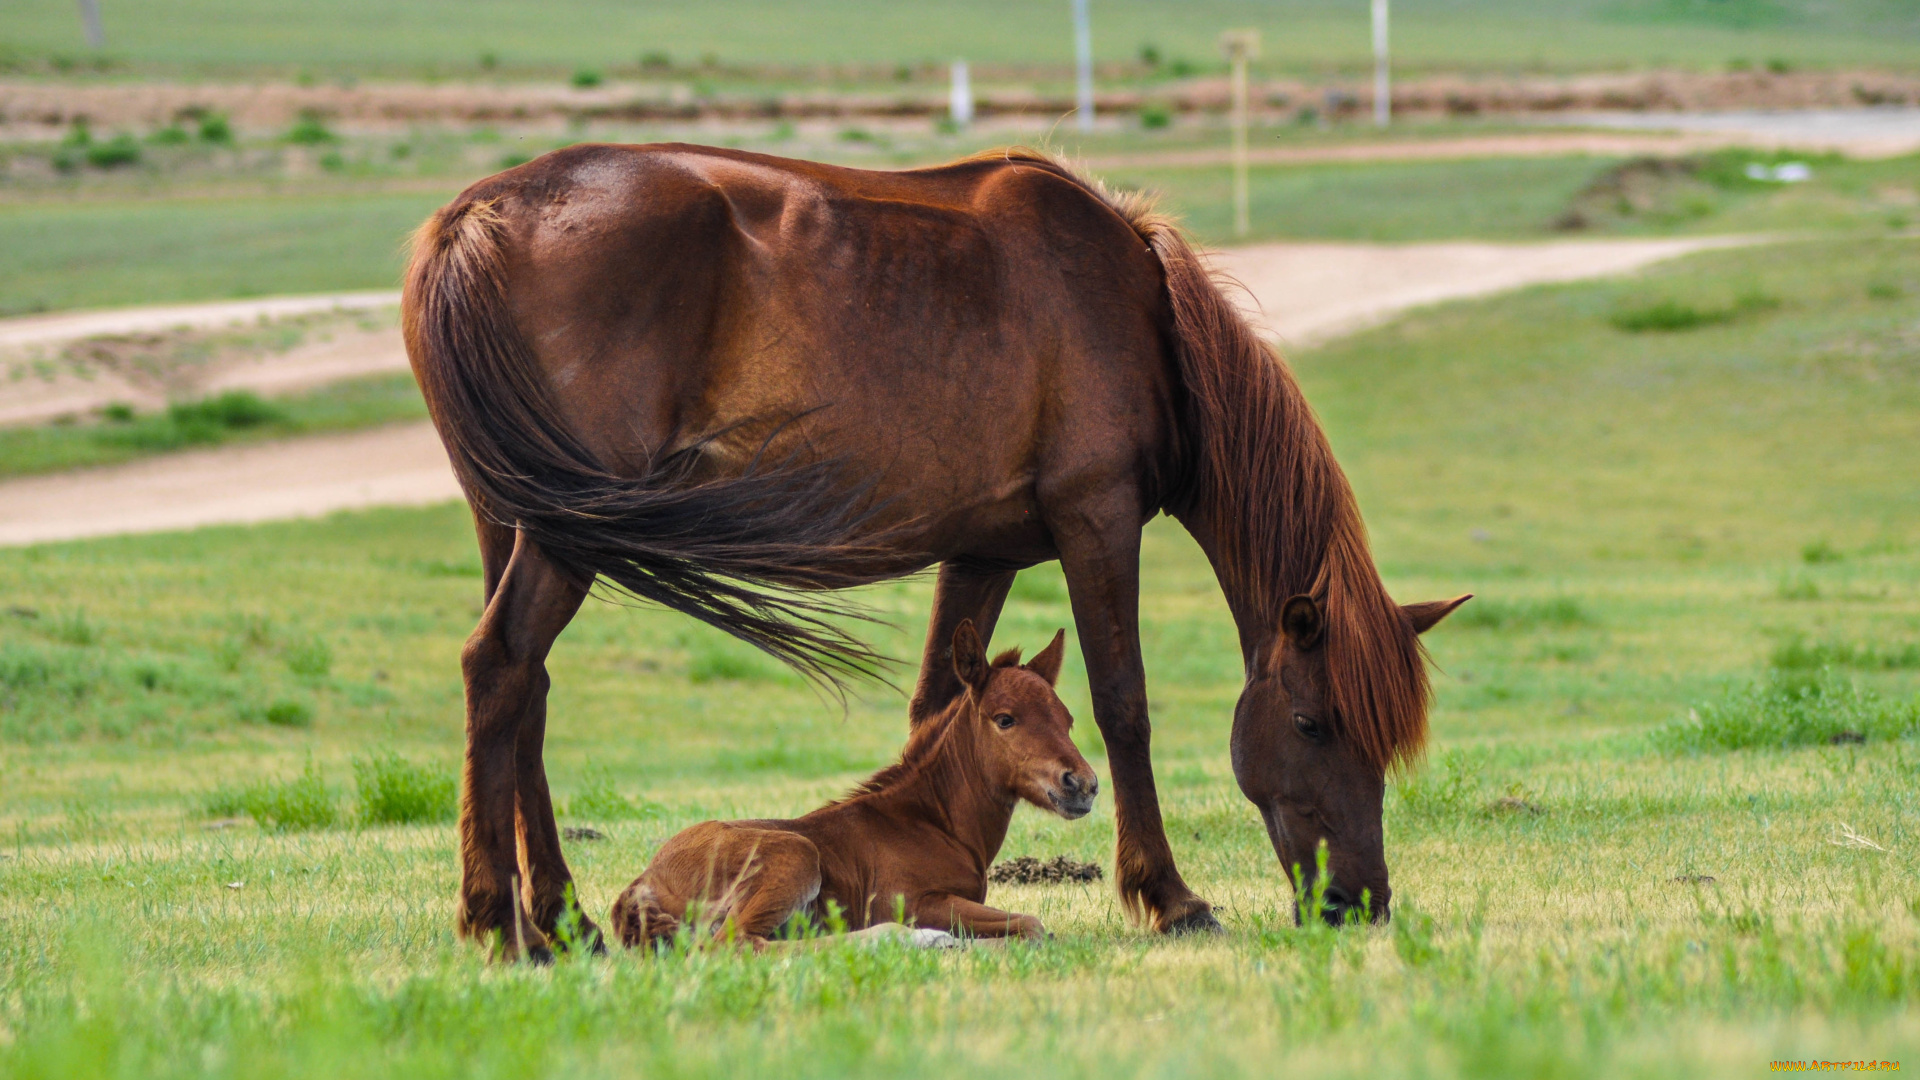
{"x":1100,"y":554}
{"x":504,"y":665}
{"x":962,"y":592}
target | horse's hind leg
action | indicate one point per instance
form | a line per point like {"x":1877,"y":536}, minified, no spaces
{"x":504,"y":663}
{"x":1100,"y":553}
{"x":544,"y":875}
{"x":962,"y":592}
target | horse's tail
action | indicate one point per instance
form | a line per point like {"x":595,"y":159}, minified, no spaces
{"x":639,"y":920}
{"x":736,"y":553}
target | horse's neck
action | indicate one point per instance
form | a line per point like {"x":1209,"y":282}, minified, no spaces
{"x":1257,"y":631}
{"x":950,"y":793}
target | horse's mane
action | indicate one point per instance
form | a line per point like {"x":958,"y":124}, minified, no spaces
{"x":922,"y":743}
{"x":1263,"y":480}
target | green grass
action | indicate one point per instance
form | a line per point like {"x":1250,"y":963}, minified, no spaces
{"x":235,"y":416}
{"x":89,"y":254}
{"x":436,"y":36}
{"x":122,"y":248}
{"x":1583,"y":888}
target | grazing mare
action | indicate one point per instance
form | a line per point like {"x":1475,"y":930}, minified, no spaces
{"x":914,"y":841}
{"x":724,"y":382}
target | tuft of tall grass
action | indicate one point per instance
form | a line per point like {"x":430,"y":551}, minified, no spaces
{"x":311,"y":657}
{"x":310,"y":130}
{"x":716,"y":658}
{"x":1791,"y":708}
{"x":599,"y":800}
{"x":395,"y":791}
{"x":296,"y":805}
{"x":1802,"y":655}
{"x":1667,"y":315}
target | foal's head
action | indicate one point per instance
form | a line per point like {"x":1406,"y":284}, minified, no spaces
{"x":1020,"y":726}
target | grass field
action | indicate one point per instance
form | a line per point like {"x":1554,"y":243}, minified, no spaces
{"x":1671,"y":531}
{"x":119,"y":250}
{"x":438,"y":36}
{"x":130,"y":252}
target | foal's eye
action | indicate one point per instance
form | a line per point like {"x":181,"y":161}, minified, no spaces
{"x":1003,"y":721}
{"x":1308,"y":726}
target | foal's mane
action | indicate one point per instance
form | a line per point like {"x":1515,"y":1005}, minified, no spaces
{"x":922,"y":743}
{"x":1262,"y":480}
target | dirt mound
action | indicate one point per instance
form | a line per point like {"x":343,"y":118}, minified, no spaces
{"x":1059,"y":870}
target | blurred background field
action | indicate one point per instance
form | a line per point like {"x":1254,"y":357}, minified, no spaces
{"x":443,"y":38}
{"x":1668,"y":824}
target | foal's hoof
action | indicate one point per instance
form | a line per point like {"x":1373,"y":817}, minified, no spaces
{"x":928,"y":938}
{"x":1195,"y":922}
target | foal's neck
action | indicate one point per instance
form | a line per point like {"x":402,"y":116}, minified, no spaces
{"x":950,"y":791}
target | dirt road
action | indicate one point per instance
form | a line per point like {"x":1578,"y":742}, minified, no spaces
{"x":1300,"y":293}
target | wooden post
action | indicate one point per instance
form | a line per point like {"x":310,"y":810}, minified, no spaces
{"x":1382,"y":88}
{"x":1240,"y":46}
{"x":1083,"y":62}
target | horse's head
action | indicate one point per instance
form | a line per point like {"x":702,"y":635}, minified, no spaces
{"x":1021,"y":727}
{"x":1310,"y":782}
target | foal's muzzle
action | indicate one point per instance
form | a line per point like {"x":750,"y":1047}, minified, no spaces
{"x":1072,"y":795}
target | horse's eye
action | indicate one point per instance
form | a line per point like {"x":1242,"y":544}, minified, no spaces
{"x":1308,"y":726}
{"x":1003,"y":721}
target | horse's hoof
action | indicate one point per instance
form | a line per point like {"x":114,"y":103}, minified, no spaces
{"x":928,"y":938}
{"x":1195,"y":922}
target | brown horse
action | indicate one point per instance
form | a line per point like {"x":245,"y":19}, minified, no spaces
{"x":722,"y":381}
{"x":913,"y":842}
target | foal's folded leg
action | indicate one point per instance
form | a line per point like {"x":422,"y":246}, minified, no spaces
{"x":771,"y":876}
{"x":957,"y":915}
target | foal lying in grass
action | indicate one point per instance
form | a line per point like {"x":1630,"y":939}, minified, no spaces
{"x":913,"y":842}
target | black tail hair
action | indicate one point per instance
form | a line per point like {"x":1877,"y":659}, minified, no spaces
{"x":737,"y":553}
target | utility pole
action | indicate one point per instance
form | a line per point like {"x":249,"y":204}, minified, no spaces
{"x":1083,"y":58}
{"x":90,"y":18}
{"x":1240,"y":46}
{"x":1382,"y":88}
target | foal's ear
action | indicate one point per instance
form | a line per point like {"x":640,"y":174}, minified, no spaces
{"x":1046,"y":663}
{"x":1427,"y":613}
{"x":969,"y":656}
{"x":1301,"y":620}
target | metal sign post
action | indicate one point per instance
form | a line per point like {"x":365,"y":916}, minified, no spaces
{"x":960,"y":96}
{"x":1240,"y":46}
{"x":1382,"y":90}
{"x":1083,"y":58}
{"x":90,"y":18}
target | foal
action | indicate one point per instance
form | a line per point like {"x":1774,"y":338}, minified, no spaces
{"x":914,"y":841}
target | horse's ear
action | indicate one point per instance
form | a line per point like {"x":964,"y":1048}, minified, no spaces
{"x":1300,"y":619}
{"x":969,"y":656}
{"x":1046,"y":663}
{"x":1427,"y":613}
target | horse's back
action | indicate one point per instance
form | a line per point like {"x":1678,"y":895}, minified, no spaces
{"x":945,"y":328}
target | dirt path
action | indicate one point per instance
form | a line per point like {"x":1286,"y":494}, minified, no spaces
{"x":37,"y":385}
{"x":1300,"y":293}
